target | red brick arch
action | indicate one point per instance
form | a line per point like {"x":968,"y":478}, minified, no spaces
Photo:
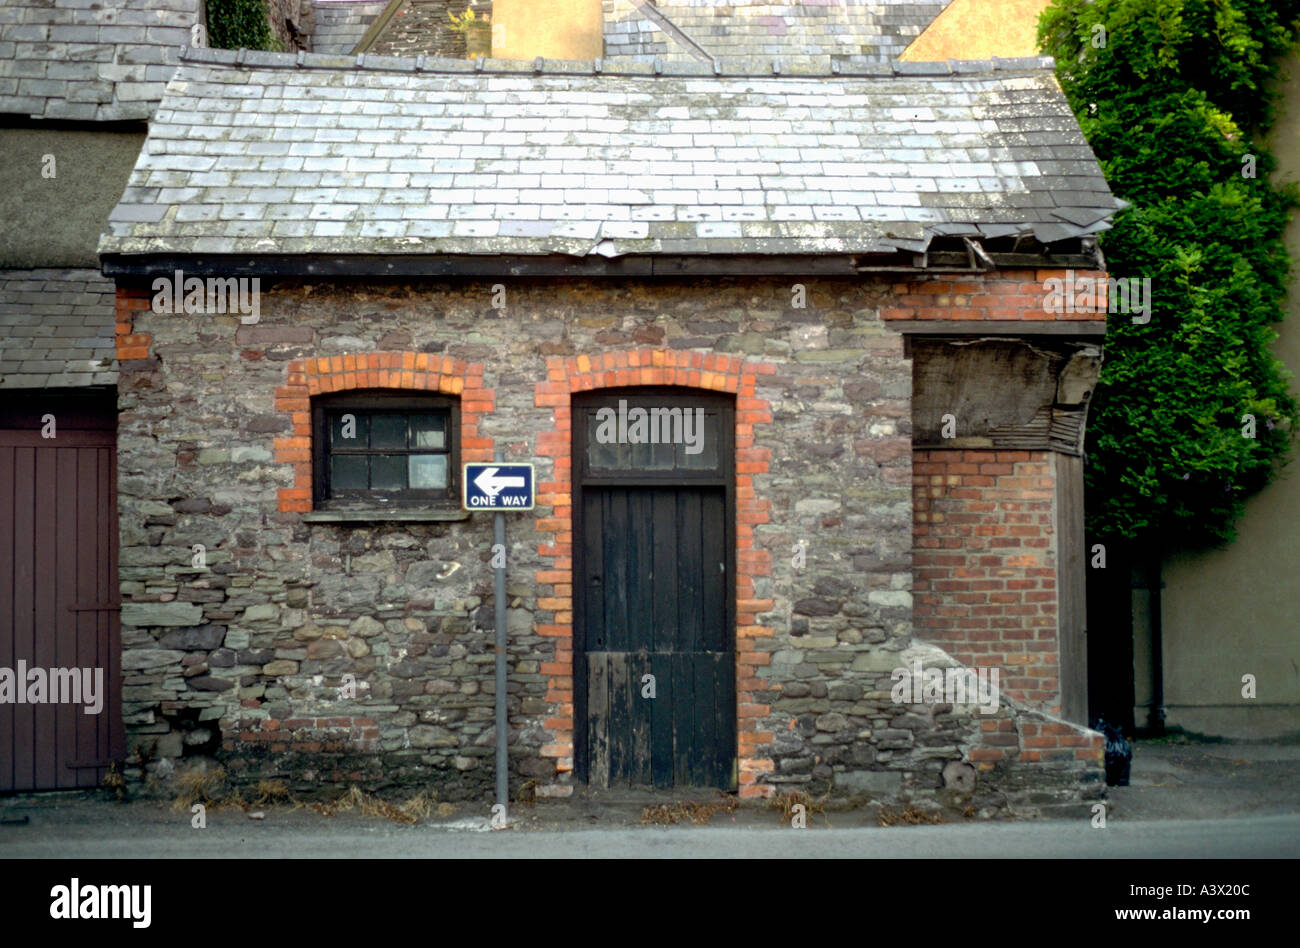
{"x":718,"y":373}
{"x":415,"y":371}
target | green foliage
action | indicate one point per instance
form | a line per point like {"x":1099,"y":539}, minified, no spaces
{"x":1173,"y":103}
{"x":236,"y":24}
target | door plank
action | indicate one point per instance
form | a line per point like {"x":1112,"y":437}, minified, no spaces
{"x":689,"y":571}
{"x":24,"y":493}
{"x":642,"y":772}
{"x":620,"y":721}
{"x":684,"y":733}
{"x":666,"y":590}
{"x":8,"y":625}
{"x":706,"y":722}
{"x":661,"y":720}
{"x":714,"y":580}
{"x":593,"y":568}
{"x":65,"y":535}
{"x":598,"y":714}
{"x":616,"y":570}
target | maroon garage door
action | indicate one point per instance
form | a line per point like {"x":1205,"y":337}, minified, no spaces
{"x":58,"y":591}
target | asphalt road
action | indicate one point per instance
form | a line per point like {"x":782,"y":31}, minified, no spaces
{"x":305,"y":835}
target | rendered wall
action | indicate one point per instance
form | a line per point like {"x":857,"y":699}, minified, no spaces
{"x":979,"y":29}
{"x":561,"y":29}
{"x":1235,"y":611}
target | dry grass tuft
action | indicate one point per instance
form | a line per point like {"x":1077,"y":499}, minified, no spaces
{"x":912,"y":815}
{"x":669,"y":814}
{"x":271,"y":792}
{"x":786,"y":802}
{"x":527,"y":793}
{"x":412,"y":811}
{"x":115,"y":783}
{"x":198,"y":785}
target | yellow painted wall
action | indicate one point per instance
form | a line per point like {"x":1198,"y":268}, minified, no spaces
{"x":979,"y":29}
{"x":1236,"y":611}
{"x":557,"y":29}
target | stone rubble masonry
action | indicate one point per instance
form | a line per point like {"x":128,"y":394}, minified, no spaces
{"x":418,"y":371}
{"x":985,"y":571}
{"x":244,"y":659}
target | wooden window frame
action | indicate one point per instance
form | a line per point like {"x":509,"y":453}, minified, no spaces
{"x":723,"y":406}
{"x":370,"y":401}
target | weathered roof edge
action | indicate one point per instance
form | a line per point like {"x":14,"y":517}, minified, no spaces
{"x":128,"y":266}
{"x":729,"y":67}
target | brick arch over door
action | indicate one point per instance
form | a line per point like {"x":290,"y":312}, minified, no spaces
{"x":403,"y":371}
{"x":668,"y":367}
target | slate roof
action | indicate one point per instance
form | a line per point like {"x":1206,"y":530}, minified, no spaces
{"x":56,"y":329}
{"x":285,"y":155}
{"x":340,"y":26}
{"x":84,"y":60}
{"x":877,"y":29}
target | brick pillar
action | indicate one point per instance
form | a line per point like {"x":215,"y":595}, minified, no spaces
{"x":985,"y":564}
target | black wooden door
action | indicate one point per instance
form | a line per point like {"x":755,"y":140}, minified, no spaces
{"x":58,"y":589}
{"x":654,"y":606}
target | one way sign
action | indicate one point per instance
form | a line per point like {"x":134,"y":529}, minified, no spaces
{"x":498,"y":487}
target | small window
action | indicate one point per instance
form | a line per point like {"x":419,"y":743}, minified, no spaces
{"x":383,"y":448}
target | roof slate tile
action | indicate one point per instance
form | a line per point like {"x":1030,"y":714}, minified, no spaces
{"x":323,"y":160}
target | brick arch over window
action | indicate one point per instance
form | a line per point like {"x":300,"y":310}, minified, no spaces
{"x":403,"y":371}
{"x":584,"y":373}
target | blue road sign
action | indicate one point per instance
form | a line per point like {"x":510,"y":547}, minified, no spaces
{"x":498,"y":487}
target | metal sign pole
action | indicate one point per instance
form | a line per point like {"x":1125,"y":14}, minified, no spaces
{"x":499,"y":486}
{"x":499,"y":537}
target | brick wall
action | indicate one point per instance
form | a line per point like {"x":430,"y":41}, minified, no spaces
{"x":985,"y":565}
{"x":1006,"y":294}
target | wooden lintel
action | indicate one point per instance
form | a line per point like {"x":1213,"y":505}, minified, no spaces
{"x":999,"y":327}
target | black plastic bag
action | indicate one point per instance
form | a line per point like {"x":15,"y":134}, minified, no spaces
{"x":1119,"y":753}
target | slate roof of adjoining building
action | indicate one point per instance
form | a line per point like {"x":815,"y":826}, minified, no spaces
{"x":83,"y":60}
{"x":56,"y":329}
{"x":340,"y":26}
{"x":877,"y":29}
{"x":265,"y":153}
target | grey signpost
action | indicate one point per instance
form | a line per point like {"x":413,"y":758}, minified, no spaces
{"x":499,"y":487}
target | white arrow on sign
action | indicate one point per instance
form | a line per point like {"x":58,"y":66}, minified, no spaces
{"x":490,"y":484}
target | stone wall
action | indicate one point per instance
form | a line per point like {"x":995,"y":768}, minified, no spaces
{"x":422,"y":26}
{"x":292,"y":22}
{"x":245,"y":659}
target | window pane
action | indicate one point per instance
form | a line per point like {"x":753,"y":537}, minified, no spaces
{"x":388,"y":472}
{"x":428,"y":431}
{"x":349,"y":430}
{"x":428,"y":471}
{"x":705,"y":443}
{"x":661,"y":457}
{"x":388,"y":431}
{"x":347,"y":472}
{"x":641,"y":456}
{"x":600,"y":455}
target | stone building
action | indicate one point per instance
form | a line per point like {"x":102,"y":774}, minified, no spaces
{"x":842,"y":269}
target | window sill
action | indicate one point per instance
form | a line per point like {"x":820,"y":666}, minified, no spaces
{"x":381,"y":514}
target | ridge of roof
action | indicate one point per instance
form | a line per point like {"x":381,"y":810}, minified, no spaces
{"x":723,"y":67}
